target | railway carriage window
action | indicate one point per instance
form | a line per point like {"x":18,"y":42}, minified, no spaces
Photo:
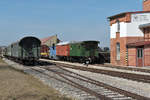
{"x":33,"y":46}
{"x":79,"y":46}
{"x":118,"y":51}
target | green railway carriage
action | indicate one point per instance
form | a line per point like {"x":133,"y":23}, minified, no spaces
{"x":27,"y":49}
{"x":7,"y":51}
{"x":85,"y":50}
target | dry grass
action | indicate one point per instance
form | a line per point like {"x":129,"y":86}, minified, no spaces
{"x":15,"y":85}
{"x":1,"y":61}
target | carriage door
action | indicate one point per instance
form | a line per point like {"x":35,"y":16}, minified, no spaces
{"x":140,"y":57}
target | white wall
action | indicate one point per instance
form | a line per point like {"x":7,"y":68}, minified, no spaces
{"x":113,"y":30}
{"x":131,"y":29}
{"x":123,"y":29}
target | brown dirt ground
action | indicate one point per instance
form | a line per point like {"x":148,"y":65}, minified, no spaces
{"x":16,"y":85}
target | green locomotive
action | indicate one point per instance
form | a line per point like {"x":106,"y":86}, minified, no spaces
{"x":78,"y":51}
{"x":84,"y":51}
{"x":26,"y":50}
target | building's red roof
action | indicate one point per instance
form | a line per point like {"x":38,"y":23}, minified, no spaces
{"x":137,"y":44}
{"x":117,"y":15}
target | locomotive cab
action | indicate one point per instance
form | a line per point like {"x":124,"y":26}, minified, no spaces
{"x":91,"y":50}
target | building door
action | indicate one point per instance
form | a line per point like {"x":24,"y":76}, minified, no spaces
{"x":140,"y":57}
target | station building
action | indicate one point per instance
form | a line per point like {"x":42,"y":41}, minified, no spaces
{"x":130,"y":37}
{"x":50,"y":41}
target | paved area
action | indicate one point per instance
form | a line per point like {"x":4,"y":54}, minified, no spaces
{"x":16,"y":85}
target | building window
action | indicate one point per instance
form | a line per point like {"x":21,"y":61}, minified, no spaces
{"x":140,"y":53}
{"x":118,"y":25}
{"x":118,"y":51}
{"x":144,"y":30}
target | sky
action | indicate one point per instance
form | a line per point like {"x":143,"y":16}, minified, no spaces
{"x":71,"y":20}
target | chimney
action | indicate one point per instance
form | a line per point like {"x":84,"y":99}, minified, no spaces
{"x":146,"y":5}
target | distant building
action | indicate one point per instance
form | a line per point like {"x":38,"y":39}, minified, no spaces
{"x":130,"y":37}
{"x":50,"y":41}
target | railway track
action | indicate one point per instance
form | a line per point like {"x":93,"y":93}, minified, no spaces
{"x":130,"y":76}
{"x":88,"y":89}
{"x":125,"y":68}
{"x":118,"y":67}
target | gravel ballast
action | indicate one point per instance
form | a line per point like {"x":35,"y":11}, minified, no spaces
{"x":63,"y":88}
{"x":139,"y":88}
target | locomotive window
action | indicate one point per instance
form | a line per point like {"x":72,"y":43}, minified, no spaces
{"x":90,"y":45}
